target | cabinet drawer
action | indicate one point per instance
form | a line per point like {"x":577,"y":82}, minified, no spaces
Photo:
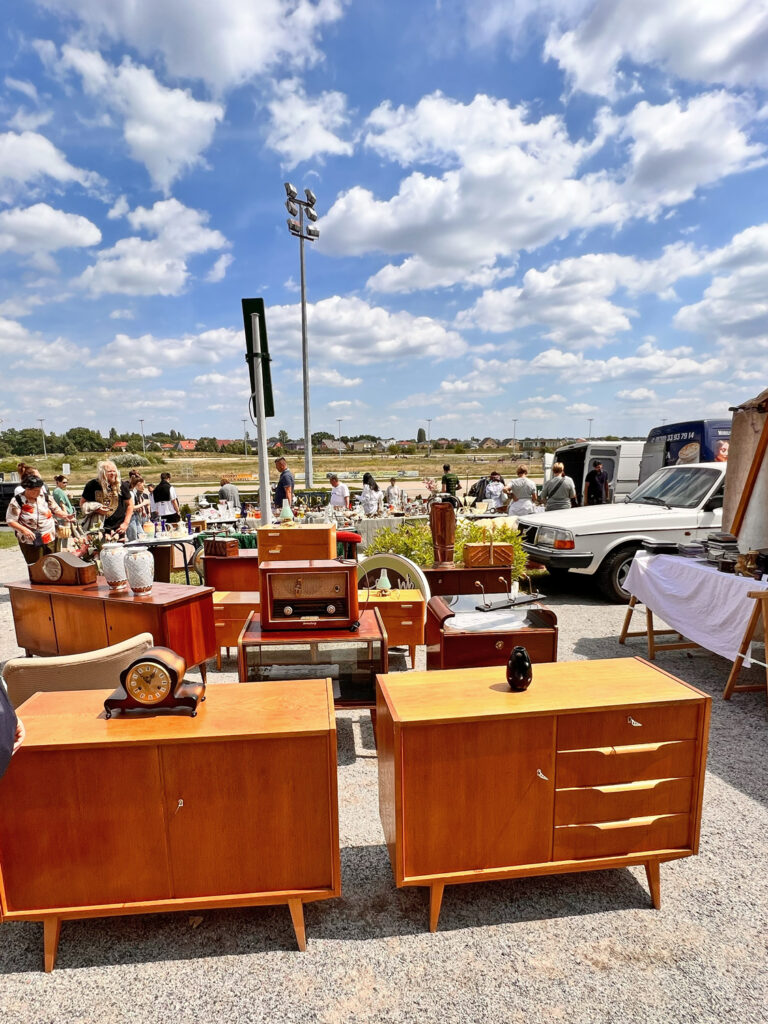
{"x":604,"y":765}
{"x":627,"y":725}
{"x":625,"y":800}
{"x":228,"y":632}
{"x":618,"y":838}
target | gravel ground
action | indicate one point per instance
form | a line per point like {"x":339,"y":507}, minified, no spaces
{"x":581,"y":948}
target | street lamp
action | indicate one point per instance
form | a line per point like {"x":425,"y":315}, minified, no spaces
{"x":245,"y":437}
{"x":429,"y":438}
{"x":304,"y":233}
{"x":514,"y":435}
{"x":42,"y":428}
{"x":143,"y":442}
{"x":339,"y":421}
{"x":590,"y":420}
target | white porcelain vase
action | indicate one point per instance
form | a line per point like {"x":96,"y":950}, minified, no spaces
{"x":113,"y":566}
{"x":140,"y":569}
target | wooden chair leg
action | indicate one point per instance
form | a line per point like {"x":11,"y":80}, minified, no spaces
{"x":204,"y":672}
{"x":654,"y":882}
{"x":51,"y":933}
{"x":651,"y":637}
{"x":296,"y":908}
{"x":627,"y":619}
{"x":435,"y":901}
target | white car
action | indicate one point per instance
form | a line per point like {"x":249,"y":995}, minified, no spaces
{"x":679,"y":504}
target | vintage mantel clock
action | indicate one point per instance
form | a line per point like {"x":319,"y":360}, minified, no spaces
{"x":62,"y":568}
{"x":155,"y":681}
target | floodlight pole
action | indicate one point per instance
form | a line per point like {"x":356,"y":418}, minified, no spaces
{"x":338,"y":422}
{"x":42,"y":428}
{"x":429,"y":438}
{"x":143,"y":442}
{"x":591,"y":418}
{"x":309,"y":474}
{"x":265,"y":496}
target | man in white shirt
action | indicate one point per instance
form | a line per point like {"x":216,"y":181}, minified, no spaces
{"x":339,"y":493}
{"x":394,"y":495}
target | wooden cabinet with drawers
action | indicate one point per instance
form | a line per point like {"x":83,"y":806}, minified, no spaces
{"x":231,"y":609}
{"x":402,"y":613}
{"x":296,"y":543}
{"x":599,"y":764}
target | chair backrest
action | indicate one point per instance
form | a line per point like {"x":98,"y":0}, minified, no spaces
{"x":94,"y":670}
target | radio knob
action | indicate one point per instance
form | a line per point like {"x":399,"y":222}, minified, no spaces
{"x":331,"y":608}
{"x":337,"y":589}
{"x":288,"y":610}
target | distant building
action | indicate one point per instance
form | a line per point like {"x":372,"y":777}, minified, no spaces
{"x":329,"y":445}
{"x":223,"y":442}
{"x":119,"y":446}
{"x":489,"y":442}
{"x":186,"y":446}
{"x":359,"y":446}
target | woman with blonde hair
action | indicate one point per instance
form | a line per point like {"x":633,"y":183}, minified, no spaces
{"x":107,"y":502}
{"x":559,"y":491}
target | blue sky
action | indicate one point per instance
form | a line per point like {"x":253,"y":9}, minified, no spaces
{"x":535,"y":211}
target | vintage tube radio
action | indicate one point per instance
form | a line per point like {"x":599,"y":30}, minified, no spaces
{"x":316,"y":594}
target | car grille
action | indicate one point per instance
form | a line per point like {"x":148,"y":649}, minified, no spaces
{"x":528,"y":533}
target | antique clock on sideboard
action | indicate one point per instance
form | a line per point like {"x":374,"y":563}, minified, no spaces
{"x":62,"y":568}
{"x":155,"y":681}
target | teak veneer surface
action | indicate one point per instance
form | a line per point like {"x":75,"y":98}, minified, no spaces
{"x":161,"y":593}
{"x":76,"y":718}
{"x":564,"y":688}
{"x":369,"y":630}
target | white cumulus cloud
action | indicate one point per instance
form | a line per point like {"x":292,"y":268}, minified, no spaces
{"x":302,"y":127}
{"x":42,"y":229}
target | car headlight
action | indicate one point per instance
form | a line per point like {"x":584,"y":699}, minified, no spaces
{"x":550,"y":537}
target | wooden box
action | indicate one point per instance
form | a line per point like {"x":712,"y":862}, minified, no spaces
{"x":138,"y":815}
{"x":317,"y":594}
{"x":221,"y":547}
{"x":488,"y":554}
{"x":296,"y":543}
{"x":599,"y":764}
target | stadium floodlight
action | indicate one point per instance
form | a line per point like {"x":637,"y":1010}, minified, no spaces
{"x":311,"y":197}
{"x":313,"y":232}
{"x":292,"y":208}
{"x":311,"y":214}
{"x":290,"y":190}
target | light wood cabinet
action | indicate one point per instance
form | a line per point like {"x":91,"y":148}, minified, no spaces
{"x":142,"y":814}
{"x":296,"y":543}
{"x":599,"y":764}
{"x":402,"y":613}
{"x":71,"y":620}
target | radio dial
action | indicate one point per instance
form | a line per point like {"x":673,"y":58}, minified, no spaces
{"x":288,"y":610}
{"x":331,"y":608}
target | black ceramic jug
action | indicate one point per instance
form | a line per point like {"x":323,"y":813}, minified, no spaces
{"x":519,"y":669}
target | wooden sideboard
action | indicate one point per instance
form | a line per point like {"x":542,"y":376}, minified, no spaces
{"x":599,"y":764}
{"x":71,"y":620}
{"x":296,"y":543}
{"x":451,"y":646}
{"x":238,"y":573}
{"x":137,"y":815}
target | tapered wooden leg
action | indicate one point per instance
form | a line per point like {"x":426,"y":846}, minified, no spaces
{"x":651,"y":637}
{"x":51,"y":933}
{"x":296,"y":908}
{"x":204,"y":672}
{"x":218,"y":659}
{"x":627,"y":619}
{"x":435,"y":900}
{"x":654,"y":882}
{"x":412,"y":651}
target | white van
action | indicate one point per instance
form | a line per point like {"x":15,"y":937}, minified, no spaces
{"x":620,"y":459}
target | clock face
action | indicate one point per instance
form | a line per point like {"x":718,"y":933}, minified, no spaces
{"x":148,"y":683}
{"x":52,"y":568}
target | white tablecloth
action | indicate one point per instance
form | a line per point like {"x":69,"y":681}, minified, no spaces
{"x":696,"y":599}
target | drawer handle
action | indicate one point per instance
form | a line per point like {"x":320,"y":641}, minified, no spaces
{"x":541,"y":775}
{"x":179,"y":805}
{"x":406,"y":607}
{"x":273,"y":551}
{"x":499,"y":644}
{"x":637,"y":725}
{"x":406,"y":622}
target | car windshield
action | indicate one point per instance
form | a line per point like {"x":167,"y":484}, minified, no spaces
{"x":676,"y":487}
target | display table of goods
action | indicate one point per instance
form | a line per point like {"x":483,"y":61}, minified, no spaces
{"x":352,"y":659}
{"x":458,"y":635}
{"x":296,"y":542}
{"x":58,"y":619}
{"x":403,"y":614}
{"x":147,"y":813}
{"x":599,"y":764}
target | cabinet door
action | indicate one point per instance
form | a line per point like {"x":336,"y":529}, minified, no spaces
{"x":129,"y":618}
{"x":83,"y":828}
{"x":250,"y":816}
{"x":80,"y":624}
{"x":33,"y":619}
{"x":472,"y":795}
{"x":188,"y":629}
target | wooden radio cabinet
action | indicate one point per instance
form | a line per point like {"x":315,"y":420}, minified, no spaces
{"x":599,"y":764}
{"x":137,"y":815}
{"x":316,"y":594}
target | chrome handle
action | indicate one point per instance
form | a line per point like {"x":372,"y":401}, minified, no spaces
{"x":273,"y":551}
{"x":541,"y":775}
{"x":499,"y":644}
{"x":637,"y":725}
{"x":406,"y":622}
{"x":179,"y":805}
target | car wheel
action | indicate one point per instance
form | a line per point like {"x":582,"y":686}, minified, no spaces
{"x":613,"y":573}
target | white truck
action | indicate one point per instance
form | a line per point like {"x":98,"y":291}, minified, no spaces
{"x":620,"y":459}
{"x":678,"y":504}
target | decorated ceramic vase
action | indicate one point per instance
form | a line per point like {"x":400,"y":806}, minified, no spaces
{"x":519,"y":670}
{"x":113,"y":566}
{"x":140,"y":568}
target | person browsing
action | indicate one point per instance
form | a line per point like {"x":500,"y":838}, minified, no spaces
{"x":31,"y":516}
{"x":523,"y":492}
{"x":166,"y":501}
{"x":559,"y":491}
{"x":450,"y":481}
{"x":285,"y":484}
{"x":339,"y":492}
{"x":596,"y":485}
{"x":107,"y":501}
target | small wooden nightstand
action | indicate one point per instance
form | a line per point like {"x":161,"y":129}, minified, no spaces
{"x":403,"y":613}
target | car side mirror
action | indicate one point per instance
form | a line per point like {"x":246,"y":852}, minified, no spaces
{"x":713,"y":503}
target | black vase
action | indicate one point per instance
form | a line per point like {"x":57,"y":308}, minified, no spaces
{"x":519,"y":670}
